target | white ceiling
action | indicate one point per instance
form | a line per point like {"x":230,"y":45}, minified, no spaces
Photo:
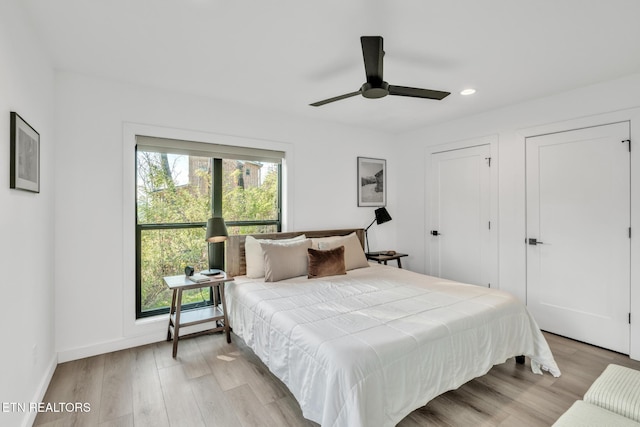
{"x":284,"y":54}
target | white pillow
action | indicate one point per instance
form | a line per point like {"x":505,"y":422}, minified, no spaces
{"x":354,"y":256}
{"x":315,"y":241}
{"x":285,"y":261}
{"x":254,"y":257}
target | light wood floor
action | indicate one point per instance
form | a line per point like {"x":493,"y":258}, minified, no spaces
{"x":212,"y":383}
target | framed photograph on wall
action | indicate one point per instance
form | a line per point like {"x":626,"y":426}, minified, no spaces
{"x":372,"y":186}
{"x":25,"y":155}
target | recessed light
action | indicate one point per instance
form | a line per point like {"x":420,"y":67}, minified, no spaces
{"x":467,"y":92}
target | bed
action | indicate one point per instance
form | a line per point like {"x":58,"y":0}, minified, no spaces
{"x":368,"y":347}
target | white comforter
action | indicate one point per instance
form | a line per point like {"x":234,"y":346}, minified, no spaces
{"x":368,"y":348}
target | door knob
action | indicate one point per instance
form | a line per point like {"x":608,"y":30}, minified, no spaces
{"x":535,"y":242}
{"x":435,"y":233}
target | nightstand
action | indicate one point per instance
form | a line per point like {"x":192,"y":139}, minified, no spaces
{"x":210,"y":313}
{"x":382,"y":258}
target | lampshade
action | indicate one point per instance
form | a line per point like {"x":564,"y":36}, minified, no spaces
{"x":216,"y":230}
{"x":382,"y":216}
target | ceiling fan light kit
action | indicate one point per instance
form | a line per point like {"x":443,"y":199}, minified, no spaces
{"x":375,"y":87}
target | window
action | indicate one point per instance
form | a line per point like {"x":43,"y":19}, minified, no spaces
{"x":179,"y":185}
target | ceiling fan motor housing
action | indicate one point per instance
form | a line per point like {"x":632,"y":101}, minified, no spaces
{"x":372,"y":92}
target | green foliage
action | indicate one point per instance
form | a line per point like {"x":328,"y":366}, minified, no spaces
{"x":162,"y":201}
{"x":166,"y":253}
{"x":250,"y":202}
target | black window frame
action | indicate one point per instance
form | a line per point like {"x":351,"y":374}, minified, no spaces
{"x":216,"y":209}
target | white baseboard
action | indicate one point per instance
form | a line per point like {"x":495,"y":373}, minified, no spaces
{"x":109,"y":346}
{"x":123,"y":343}
{"x":30,"y":416}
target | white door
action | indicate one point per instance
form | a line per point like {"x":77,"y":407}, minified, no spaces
{"x":578,"y":210}
{"x":460,"y":213}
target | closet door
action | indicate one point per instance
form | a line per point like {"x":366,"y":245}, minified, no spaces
{"x":459,"y":239}
{"x":578,"y":234}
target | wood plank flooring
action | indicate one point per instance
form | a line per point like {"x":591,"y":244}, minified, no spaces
{"x":212,"y":383}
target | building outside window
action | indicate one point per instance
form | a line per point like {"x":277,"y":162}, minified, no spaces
{"x":179,"y":185}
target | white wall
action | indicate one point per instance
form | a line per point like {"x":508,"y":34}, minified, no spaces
{"x":27,"y":358}
{"x":94,"y":120}
{"x":94,"y":183}
{"x":597,"y":104}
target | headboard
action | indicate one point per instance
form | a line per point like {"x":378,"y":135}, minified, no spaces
{"x":236,"y":261}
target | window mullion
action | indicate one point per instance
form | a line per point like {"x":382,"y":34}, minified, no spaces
{"x":216,"y":187}
{"x":216,"y":249}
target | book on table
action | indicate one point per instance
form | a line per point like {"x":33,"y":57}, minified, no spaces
{"x":199,"y":278}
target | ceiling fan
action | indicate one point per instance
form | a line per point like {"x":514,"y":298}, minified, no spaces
{"x":375,"y":86}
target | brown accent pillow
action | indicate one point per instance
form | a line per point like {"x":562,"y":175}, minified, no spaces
{"x":326,"y":263}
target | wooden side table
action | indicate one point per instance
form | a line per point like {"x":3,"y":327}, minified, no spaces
{"x":209,"y":313}
{"x":382,"y":258}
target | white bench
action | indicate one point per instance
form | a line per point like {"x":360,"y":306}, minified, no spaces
{"x":612,"y":400}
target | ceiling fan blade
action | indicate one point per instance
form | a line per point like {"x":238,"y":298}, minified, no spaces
{"x":373,"y":53}
{"x":335,"y":98}
{"x":417,"y":93}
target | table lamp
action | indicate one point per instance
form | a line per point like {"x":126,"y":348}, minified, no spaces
{"x":216,"y":233}
{"x":382,"y":216}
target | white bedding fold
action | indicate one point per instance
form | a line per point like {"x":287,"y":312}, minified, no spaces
{"x":368,"y":348}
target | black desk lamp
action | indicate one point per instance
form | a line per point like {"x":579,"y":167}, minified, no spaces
{"x":216,"y":233}
{"x":382,"y":216}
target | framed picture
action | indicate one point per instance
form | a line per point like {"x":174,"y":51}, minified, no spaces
{"x":25,"y":155}
{"x":372,"y":186}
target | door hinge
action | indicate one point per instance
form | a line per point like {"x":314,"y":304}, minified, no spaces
{"x":629,"y":318}
{"x":489,"y":285}
{"x":488,"y":159}
{"x":629,"y":141}
{"x":489,"y":225}
{"x":629,"y":232}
